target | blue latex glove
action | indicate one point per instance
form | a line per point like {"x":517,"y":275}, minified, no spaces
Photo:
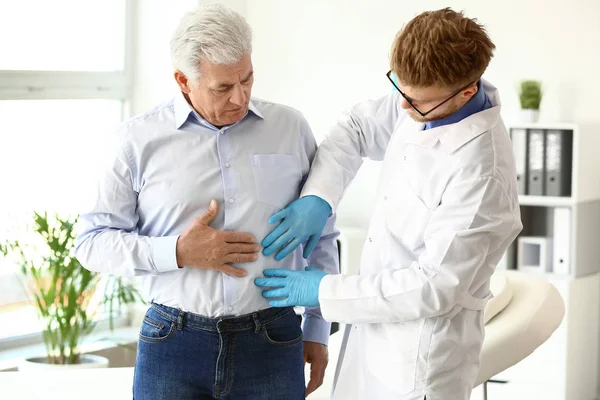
{"x":294,"y":288}
{"x":303,"y":219}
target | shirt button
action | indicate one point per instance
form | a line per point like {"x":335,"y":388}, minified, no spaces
{"x":404,"y":158}
{"x":227,"y":165}
{"x":222,"y":132}
{"x":370,"y":239}
{"x":231,"y":201}
{"x":230,"y":309}
{"x":385,"y":197}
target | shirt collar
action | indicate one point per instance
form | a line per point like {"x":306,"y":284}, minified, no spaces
{"x":184,"y":111}
{"x":252,"y":107}
{"x":454,"y":135}
{"x":476,"y":104}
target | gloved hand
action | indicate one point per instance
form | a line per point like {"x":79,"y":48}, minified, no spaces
{"x":303,"y":219}
{"x":296,"y":288}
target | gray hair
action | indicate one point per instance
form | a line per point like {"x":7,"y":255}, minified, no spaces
{"x":212,"y":33}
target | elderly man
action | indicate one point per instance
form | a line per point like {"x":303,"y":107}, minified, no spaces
{"x":209,"y":334}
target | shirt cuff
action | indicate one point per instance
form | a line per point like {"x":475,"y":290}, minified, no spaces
{"x":164,"y":253}
{"x":316,"y":329}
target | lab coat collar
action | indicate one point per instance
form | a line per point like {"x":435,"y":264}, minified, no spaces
{"x":183,"y":110}
{"x":454,"y":136}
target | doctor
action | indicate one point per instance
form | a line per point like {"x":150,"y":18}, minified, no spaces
{"x":446,"y":211}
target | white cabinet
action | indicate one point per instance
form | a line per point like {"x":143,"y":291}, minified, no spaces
{"x":566,"y":366}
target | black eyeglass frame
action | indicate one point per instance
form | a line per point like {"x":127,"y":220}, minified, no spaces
{"x":410,"y":101}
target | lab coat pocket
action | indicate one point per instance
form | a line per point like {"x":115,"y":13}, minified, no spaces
{"x":277,"y":178}
{"x":392,"y":354}
{"x":407,"y":215}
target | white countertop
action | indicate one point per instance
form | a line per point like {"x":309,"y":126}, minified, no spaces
{"x":109,"y":383}
{"x":88,"y":384}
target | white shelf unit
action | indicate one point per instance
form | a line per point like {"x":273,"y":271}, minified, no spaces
{"x":586,"y":162}
{"x":545,"y":201}
{"x":566,"y":366}
{"x":571,"y":222}
{"x":574,"y":231}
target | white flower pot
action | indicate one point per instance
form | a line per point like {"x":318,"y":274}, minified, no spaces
{"x":86,"y":361}
{"x":530,"y":116}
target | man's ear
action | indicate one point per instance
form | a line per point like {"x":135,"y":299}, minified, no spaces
{"x":470,"y":91}
{"x":182,"y":81}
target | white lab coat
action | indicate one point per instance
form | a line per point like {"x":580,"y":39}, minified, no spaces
{"x":446,"y":210}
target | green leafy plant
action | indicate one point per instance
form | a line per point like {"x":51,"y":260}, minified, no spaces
{"x":530,"y":96}
{"x":62,"y":289}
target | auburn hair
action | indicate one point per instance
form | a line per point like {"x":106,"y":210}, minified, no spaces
{"x":441,"y":48}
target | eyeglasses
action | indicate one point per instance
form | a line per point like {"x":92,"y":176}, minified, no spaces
{"x":410,"y":101}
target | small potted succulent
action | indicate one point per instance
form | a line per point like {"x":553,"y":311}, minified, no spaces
{"x":530,"y":97}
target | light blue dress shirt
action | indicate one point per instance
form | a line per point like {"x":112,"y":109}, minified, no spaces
{"x":168,"y":165}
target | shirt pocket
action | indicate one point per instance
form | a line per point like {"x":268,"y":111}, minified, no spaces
{"x":277,"y":178}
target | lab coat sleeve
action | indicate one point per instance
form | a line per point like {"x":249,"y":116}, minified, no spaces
{"x":107,"y":239}
{"x":475,"y":217}
{"x":324,"y":256}
{"x":363,"y":131}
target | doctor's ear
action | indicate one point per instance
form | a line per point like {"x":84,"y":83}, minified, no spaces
{"x":469,"y":91}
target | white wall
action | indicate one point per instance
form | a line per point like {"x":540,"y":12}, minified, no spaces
{"x":153,"y":80}
{"x":324,"y":56}
{"x":321,"y":57}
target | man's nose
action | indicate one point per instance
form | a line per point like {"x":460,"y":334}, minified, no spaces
{"x":238,"y":96}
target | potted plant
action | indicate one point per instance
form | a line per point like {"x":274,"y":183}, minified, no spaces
{"x":63,"y":292}
{"x":530,"y":98}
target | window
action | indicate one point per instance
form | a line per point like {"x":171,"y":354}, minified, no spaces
{"x":64,"y":86}
{"x":50,"y":147}
{"x":63,"y":35}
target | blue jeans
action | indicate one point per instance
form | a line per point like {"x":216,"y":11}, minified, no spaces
{"x":187,"y":356}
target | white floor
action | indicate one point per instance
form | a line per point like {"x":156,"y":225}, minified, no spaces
{"x":115,"y":384}
{"x":497,"y":391}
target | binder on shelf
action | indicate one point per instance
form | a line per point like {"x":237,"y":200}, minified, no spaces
{"x":519,"y":142}
{"x":536,"y":163}
{"x":559,"y":144}
{"x":561,"y":260}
